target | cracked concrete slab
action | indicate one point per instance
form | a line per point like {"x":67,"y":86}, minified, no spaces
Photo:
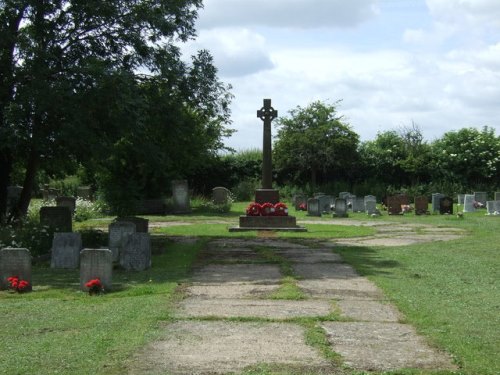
{"x":309,"y":255}
{"x":231,"y":290}
{"x":237,"y":273}
{"x":368,"y":311}
{"x":377,"y":346}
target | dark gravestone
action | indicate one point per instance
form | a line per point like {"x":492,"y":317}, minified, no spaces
{"x":69,"y":202}
{"x":340,"y":208}
{"x":421,"y":205}
{"x":84,"y":192}
{"x":57,"y":218}
{"x":66,"y":249}
{"x":136,"y":252}
{"x":96,"y":264}
{"x":313,"y":208}
{"x":394,"y":205}
{"x":446,"y":206}
{"x":14,"y":262}
{"x":141,"y":224}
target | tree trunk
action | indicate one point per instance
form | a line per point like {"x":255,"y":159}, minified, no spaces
{"x":5,"y":172}
{"x":314,"y":177}
{"x":29,"y":179}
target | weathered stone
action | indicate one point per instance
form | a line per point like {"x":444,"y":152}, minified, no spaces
{"x":340,"y":208}
{"x":180,"y":196}
{"x":313,"y":208}
{"x":135,"y":254}
{"x":96,"y":264}
{"x":421,"y":205}
{"x":118,"y":234}
{"x":84,"y":192}
{"x":220,"y":195}
{"x":460,"y":199}
{"x":493,"y":207}
{"x":141,"y":224}
{"x":14,"y":262}
{"x":481,"y":197}
{"x":469,"y":203}
{"x":435,"y":201}
{"x":66,"y":249}
{"x":358,"y":204}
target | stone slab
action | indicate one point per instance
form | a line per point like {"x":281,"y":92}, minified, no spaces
{"x":383,"y":347}
{"x":350,"y":288}
{"x":237,"y":273}
{"x":231,"y":290}
{"x":369,"y":311}
{"x":226,"y":347}
{"x":325,"y":271}
{"x":309,"y":255}
{"x":269,"y":309}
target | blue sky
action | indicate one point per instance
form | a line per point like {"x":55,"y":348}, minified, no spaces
{"x":435,"y":63}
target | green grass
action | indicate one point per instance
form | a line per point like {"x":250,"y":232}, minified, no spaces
{"x":57,"y":329}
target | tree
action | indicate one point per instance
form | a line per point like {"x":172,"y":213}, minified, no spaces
{"x":469,"y":156}
{"x":55,"y":53}
{"x":314,"y":141}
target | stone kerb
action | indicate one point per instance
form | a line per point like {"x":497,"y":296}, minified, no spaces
{"x":136,"y":252}
{"x":96,"y":264}
{"x":66,"y":249}
{"x":118,"y":233}
{"x":14,"y":262}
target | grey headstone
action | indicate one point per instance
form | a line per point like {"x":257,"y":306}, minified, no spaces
{"x":325,"y":203}
{"x":14,"y":262}
{"x":358,"y":204}
{"x":493,"y":207}
{"x":481,"y":197}
{"x":340,"y":208}
{"x":141,"y":224}
{"x":180,"y":196}
{"x":460,"y":199}
{"x":313,"y":208}
{"x":118,"y":234}
{"x":66,"y":249}
{"x":220,"y":195}
{"x":298,"y":200}
{"x":69,"y":202}
{"x":446,"y":206}
{"x":371,"y":207}
{"x":421,"y":205}
{"x":435,"y":201}
{"x":58,"y":218}
{"x":84,"y":192}
{"x":344,"y":194}
{"x":497,"y":195}
{"x":469,"y":203}
{"x":370,"y":198}
{"x":96,"y":264}
{"x":136,"y":252}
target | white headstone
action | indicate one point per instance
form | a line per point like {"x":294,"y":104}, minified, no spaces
{"x":66,"y":249}
{"x":469,"y":203}
{"x":180,"y":196}
{"x":436,"y":197}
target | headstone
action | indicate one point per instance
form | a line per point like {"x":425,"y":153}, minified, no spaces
{"x":180,"y":195}
{"x":371,"y":207}
{"x":84,"y":192}
{"x":318,"y":194}
{"x":469,"y":203}
{"x":497,"y":196}
{"x":370,"y":198}
{"x":325,"y":203}
{"x":344,"y":194}
{"x":460,"y":199}
{"x":66,"y":249}
{"x":136,"y":252}
{"x":350,"y":199}
{"x":394,"y":205}
{"x":13,"y":195}
{"x":57,"y":218}
{"x":141,"y":224}
{"x":69,"y":202}
{"x":53,"y":193}
{"x":118,"y":234}
{"x":313,"y":207}
{"x":358,"y":204}
{"x":299,"y":199}
{"x":481,"y":197}
{"x":446,"y":206}
{"x":14,"y":262}
{"x":493,"y":207}
{"x":96,"y":264}
{"x":220,"y":195}
{"x":340,"y":208}
{"x":421,"y":205}
{"x":435,"y":201}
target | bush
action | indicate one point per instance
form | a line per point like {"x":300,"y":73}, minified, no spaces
{"x":245,"y":190}
{"x":86,"y":209}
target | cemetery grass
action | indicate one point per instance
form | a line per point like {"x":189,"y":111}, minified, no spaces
{"x":58,"y":329}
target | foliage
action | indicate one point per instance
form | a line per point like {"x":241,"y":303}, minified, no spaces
{"x":208,"y":206}
{"x":315,"y":141}
{"x":28,"y":234}
{"x":245,"y":189}
{"x":86,"y":209}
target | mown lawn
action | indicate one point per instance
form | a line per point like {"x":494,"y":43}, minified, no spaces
{"x":448,"y":290}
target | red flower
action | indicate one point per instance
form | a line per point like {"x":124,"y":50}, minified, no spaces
{"x":23,"y":286}
{"x":267,"y":209}
{"x":303,"y":207}
{"x":254,"y":209}
{"x":18,"y":285}
{"x":280,"y":209}
{"x":95,"y":286}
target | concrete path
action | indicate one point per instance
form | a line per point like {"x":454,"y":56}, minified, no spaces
{"x":231,"y":322}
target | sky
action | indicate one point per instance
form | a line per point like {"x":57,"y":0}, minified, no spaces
{"x":391,"y":63}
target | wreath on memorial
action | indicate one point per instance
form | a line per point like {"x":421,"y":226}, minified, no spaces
{"x":254,"y":209}
{"x":280,"y":209}
{"x":267,"y":209}
{"x":95,"y":287}
{"x":17,"y":285}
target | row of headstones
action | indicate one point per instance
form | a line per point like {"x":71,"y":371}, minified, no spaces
{"x":129,"y":245}
{"x":322,"y":203}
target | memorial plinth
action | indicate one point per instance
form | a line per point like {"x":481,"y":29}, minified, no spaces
{"x":267,"y":194}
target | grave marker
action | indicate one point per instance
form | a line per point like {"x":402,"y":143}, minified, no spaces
{"x":313,"y":208}
{"x":358,"y":204}
{"x":180,"y":195}
{"x":446,"y":206}
{"x":460,"y":199}
{"x":57,"y":218}
{"x":435,"y":201}
{"x":340,"y":208}
{"x":96,"y":264}
{"x":14,"y":262}
{"x":220,"y":195}
{"x":118,"y":233}
{"x":421,"y":205}
{"x":136,"y":252}
{"x":481,"y":197}
{"x":469,"y":203}
{"x":493,"y":207}
{"x":69,"y":202}
{"x":66,"y":249}
{"x":394,"y":205}
{"x":141,"y":224}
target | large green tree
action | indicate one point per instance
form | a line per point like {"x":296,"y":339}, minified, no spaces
{"x":55,"y":55}
{"x":315,"y":142}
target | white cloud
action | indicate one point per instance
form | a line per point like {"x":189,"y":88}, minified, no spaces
{"x":286,"y":13}
{"x":480,"y":13}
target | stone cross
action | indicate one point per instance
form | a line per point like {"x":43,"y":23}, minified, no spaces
{"x":267,"y":114}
